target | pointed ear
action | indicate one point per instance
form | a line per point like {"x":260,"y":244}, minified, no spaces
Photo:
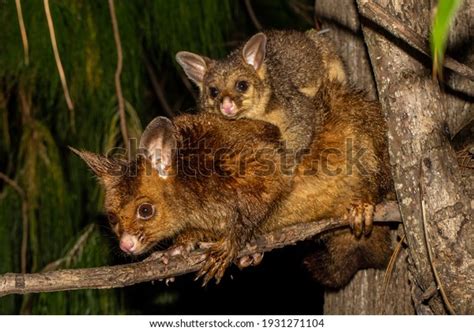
{"x":106,"y":169}
{"x":195,"y":66}
{"x":158,"y":142}
{"x":254,"y":50}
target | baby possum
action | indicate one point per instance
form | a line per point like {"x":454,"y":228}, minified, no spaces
{"x":200,"y":179}
{"x":208,"y":178}
{"x":273,"y":77}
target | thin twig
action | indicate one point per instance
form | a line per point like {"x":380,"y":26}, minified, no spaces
{"x":13,"y":184}
{"x":118,"y":72}
{"x":428,"y":244}
{"x":380,"y":16}
{"x":24,"y":37}
{"x":158,"y":89}
{"x":62,"y":75}
{"x":153,"y":269}
{"x":430,"y":257}
{"x":24,"y":217}
{"x":252,"y":15}
{"x":388,"y":272}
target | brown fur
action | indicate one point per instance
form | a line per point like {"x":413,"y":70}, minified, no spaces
{"x":235,"y":196}
{"x":332,"y":177}
{"x":296,"y":66}
{"x":327,"y":184}
{"x":339,"y":255}
{"x":220,"y":187}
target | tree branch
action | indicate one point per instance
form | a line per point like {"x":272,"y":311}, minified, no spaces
{"x":376,"y":13}
{"x":133,"y":273}
{"x":426,"y":171}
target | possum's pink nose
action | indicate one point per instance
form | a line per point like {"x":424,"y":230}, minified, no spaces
{"x":228,"y":107}
{"x":128,"y":243}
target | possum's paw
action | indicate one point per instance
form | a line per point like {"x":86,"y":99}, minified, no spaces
{"x":250,"y":260}
{"x":361,"y":218}
{"x":219,"y":256}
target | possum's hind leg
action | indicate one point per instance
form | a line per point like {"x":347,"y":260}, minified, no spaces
{"x":220,"y":255}
{"x":339,"y":255}
{"x":361,"y":218}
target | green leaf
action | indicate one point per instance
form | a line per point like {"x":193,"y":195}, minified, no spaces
{"x":445,"y":14}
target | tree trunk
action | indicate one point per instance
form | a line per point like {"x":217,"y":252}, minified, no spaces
{"x":459,"y":100}
{"x":364,"y":294}
{"x":436,"y":212}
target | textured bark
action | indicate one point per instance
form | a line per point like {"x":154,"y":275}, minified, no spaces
{"x":436,"y":212}
{"x":160,"y":268}
{"x":363,"y":295}
{"x":367,"y":295}
{"x":459,"y":100}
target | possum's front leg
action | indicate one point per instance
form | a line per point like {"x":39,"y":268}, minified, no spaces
{"x":222,"y":253}
{"x":219,"y":257}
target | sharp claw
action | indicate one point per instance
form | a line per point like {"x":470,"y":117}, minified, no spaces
{"x":361,"y":219}
{"x":220,"y":274}
{"x":369,"y":218}
{"x":218,"y":277}
{"x":257,"y":258}
{"x":200,"y":273}
{"x":358,"y":223}
{"x":206,"y":280}
{"x":217,"y":259}
{"x":244,"y":262}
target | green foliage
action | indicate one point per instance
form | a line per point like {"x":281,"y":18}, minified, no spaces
{"x":10,"y":231}
{"x":445,"y":13}
{"x":61,"y":194}
{"x":85,"y":301}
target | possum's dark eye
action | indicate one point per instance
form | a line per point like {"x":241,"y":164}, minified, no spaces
{"x":241,"y":86}
{"x":213,"y":92}
{"x":113,"y":219}
{"x":145,"y":211}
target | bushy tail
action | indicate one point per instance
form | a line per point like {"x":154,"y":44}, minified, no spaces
{"x":340,"y":255}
